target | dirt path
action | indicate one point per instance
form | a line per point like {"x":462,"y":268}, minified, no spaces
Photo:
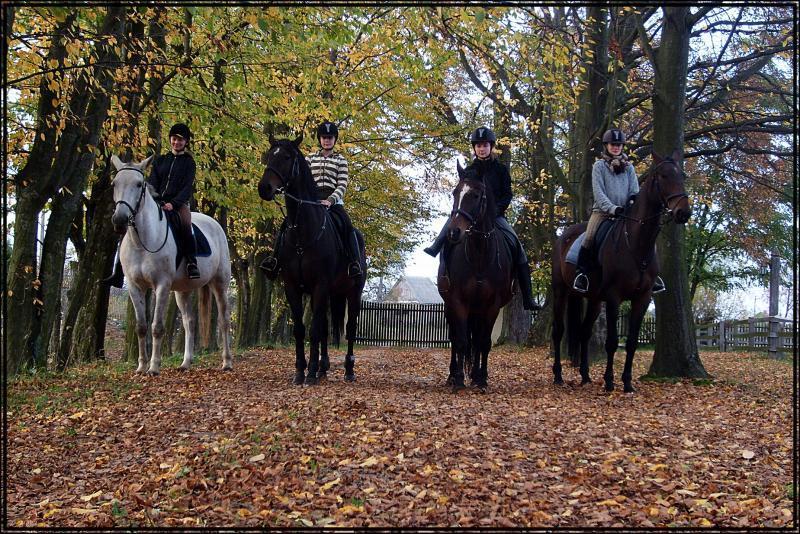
{"x":102,"y":447}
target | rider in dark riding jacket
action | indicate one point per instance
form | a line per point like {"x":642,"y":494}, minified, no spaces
{"x":172,"y":176}
{"x":496,"y":176}
{"x":329,"y":169}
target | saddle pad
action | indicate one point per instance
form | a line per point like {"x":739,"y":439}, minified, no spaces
{"x":599,"y":239}
{"x":202,"y":247}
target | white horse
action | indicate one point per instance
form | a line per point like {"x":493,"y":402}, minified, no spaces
{"x":148,"y":253}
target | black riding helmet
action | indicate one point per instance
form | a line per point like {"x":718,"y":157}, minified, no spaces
{"x":327,"y":128}
{"x":614,"y":135}
{"x":483,"y":134}
{"x":181,"y":130}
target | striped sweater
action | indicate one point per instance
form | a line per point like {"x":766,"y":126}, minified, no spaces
{"x":330,"y":174}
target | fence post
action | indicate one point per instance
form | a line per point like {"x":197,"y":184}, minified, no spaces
{"x":721,"y":334}
{"x":774,"y":325}
{"x":751,"y":333}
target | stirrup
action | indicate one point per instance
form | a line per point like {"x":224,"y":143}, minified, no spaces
{"x":659,"y":286}
{"x":191,"y":270}
{"x":584,"y":287}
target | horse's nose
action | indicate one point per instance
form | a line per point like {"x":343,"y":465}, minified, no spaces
{"x":454,"y":234}
{"x":265,"y":190}
{"x":118,"y":219}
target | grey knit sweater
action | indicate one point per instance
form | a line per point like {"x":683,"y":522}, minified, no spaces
{"x":612,"y":190}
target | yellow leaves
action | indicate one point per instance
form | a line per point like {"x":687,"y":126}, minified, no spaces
{"x":87,"y":498}
{"x":369,"y":462}
{"x":329,"y":485}
{"x":77,"y":415}
{"x":256,"y":458}
{"x":349,"y":509}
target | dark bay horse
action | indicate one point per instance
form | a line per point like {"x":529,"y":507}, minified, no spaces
{"x":627,"y":268}
{"x":475,"y":276}
{"x":312,"y":262}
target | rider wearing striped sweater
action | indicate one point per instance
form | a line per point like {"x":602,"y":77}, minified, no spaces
{"x":330,"y":172}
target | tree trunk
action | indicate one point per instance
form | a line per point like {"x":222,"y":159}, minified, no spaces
{"x":33,"y":187}
{"x":676,"y":351}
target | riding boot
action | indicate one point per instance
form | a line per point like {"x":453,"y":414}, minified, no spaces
{"x":581,"y":282}
{"x":658,"y":285}
{"x":354,"y":268}
{"x":270,"y":264}
{"x":190,"y":252}
{"x":524,"y":280}
{"x":117,"y":277}
{"x":438,"y":243}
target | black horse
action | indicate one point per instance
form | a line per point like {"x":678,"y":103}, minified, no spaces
{"x":627,"y":268}
{"x":313,"y":261}
{"x":475,"y":277}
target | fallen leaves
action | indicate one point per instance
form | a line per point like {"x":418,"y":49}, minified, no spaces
{"x":397,"y":448}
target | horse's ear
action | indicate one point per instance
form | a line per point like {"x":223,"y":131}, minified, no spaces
{"x":143,"y":165}
{"x":299,"y":140}
{"x":118,"y":163}
{"x":656,"y":158}
{"x":271,"y":139}
{"x":460,"y":170}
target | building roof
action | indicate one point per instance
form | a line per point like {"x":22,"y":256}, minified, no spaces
{"x":414,"y":289}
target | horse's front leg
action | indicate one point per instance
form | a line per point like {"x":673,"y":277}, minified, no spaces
{"x":139,"y":300}
{"x":638,"y":309}
{"x":612,"y":339}
{"x":162,"y":299}
{"x":184,"y":301}
{"x":460,"y":344}
{"x":324,"y":360}
{"x":295,"y":300}
{"x":592,"y":312}
{"x":319,"y":332}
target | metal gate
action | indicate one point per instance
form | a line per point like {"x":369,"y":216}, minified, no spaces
{"x":402,"y":324}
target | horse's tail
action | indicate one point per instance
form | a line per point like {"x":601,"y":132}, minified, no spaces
{"x":574,"y":320}
{"x":204,"y":314}
{"x":338,"y":304}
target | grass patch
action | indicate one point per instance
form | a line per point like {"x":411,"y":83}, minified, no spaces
{"x":703,"y":382}
{"x":660,"y":379}
{"x":790,"y":492}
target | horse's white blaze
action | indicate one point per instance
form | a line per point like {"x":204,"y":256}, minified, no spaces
{"x":466,"y":189}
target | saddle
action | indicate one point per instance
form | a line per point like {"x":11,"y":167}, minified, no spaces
{"x":599,"y":238}
{"x":202,"y":247}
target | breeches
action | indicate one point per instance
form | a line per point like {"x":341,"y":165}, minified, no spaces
{"x":185,"y":214}
{"x":509,"y":233}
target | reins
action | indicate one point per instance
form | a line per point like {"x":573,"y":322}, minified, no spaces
{"x":135,"y":210}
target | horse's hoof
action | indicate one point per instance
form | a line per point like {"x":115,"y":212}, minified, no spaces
{"x":227,"y":368}
{"x":322,"y":375}
{"x":153,"y":373}
{"x":586,"y":380}
{"x":311,"y":380}
{"x":349,"y":377}
{"x":482,"y":389}
{"x":609,"y":387}
{"x":558,"y":381}
{"x":450,"y":381}
{"x":299,"y":378}
{"x":629,"y":389}
{"x":182,"y":369}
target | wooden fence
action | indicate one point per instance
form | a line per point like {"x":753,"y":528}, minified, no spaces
{"x":747,"y":334}
{"x":402,"y":324}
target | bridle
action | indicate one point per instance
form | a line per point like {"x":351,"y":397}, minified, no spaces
{"x":295,"y":172}
{"x":473,"y":218}
{"x":665,"y":209}
{"x":135,"y":210}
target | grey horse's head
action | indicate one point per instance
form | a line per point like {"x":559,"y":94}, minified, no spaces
{"x":128,"y":183}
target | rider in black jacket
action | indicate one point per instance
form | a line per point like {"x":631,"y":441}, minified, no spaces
{"x":172,"y":177}
{"x":496,"y":176}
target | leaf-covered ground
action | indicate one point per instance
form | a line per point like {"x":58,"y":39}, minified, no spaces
{"x":100,"y":446}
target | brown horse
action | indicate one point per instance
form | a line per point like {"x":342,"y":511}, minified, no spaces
{"x":475,"y":276}
{"x":627,"y":268}
{"x":313,"y":262}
